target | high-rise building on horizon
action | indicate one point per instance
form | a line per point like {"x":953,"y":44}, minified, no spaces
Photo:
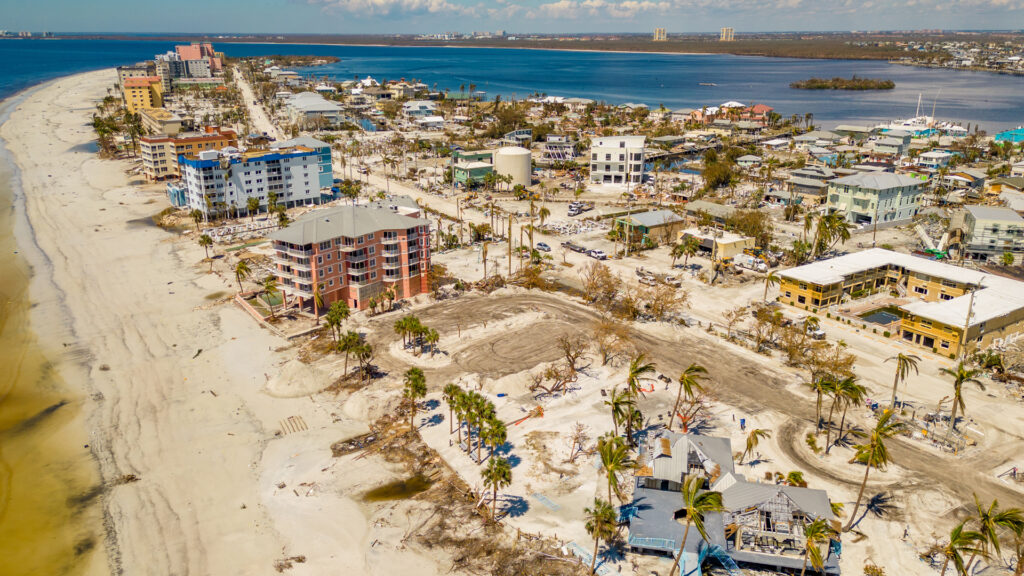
{"x":659,"y":35}
{"x":726,"y":35}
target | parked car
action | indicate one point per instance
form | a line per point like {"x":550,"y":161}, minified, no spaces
{"x":598,"y":254}
{"x":816,"y":333}
{"x":673,"y":281}
{"x":648,"y":281}
{"x":543,"y":247}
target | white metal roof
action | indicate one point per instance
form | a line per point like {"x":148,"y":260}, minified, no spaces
{"x":996,"y":297}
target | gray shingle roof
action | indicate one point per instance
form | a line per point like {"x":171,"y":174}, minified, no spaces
{"x":347,"y":221}
{"x":653,"y":218}
{"x":743,"y":495}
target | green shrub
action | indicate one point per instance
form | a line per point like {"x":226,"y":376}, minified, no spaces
{"x":812,"y":442}
{"x":952,"y":356}
{"x":886,"y":334}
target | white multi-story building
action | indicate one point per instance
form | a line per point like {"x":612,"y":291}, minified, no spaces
{"x":224,"y":180}
{"x":617,"y":160}
{"x":867,"y":196}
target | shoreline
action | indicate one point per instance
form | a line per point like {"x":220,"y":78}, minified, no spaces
{"x":62,"y":423}
{"x":183,"y":396}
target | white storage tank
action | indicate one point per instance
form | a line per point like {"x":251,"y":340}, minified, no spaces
{"x":516,"y":162}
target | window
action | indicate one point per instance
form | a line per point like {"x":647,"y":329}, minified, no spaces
{"x":325,"y":245}
{"x":330,"y":269}
{"x":319,"y":259}
{"x":373,"y":275}
{"x":944,"y":345}
{"x":801,"y":299}
{"x":328,"y":255}
{"x":788,"y":295}
{"x":330,"y":282}
{"x":373,"y":249}
{"x":920,"y":290}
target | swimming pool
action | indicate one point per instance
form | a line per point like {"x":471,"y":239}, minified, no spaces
{"x":883,"y":316}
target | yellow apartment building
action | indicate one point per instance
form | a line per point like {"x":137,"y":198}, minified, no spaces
{"x":142,"y":92}
{"x":939,"y":297}
{"x":160,"y":153}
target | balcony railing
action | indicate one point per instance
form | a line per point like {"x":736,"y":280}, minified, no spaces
{"x":292,"y":250}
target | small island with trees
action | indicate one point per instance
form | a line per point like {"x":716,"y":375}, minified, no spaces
{"x":837,"y":83}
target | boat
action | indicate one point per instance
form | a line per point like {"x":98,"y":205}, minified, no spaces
{"x":707,"y":84}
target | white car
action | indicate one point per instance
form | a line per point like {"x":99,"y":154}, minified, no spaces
{"x":598,"y":254}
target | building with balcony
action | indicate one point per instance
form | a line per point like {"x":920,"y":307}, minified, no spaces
{"x":354,"y":253}
{"x":867,"y":196}
{"x":936,"y":301}
{"x":160,"y":121}
{"x":142,"y":92}
{"x":760,"y":528}
{"x":617,"y":160}
{"x":990,"y":231}
{"x":323,"y":150}
{"x":219,"y":181}
{"x":160,"y":153}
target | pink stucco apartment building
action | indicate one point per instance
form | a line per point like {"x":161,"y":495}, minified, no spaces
{"x":354,"y":253}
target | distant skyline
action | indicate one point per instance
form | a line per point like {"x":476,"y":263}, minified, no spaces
{"x":512,"y":16}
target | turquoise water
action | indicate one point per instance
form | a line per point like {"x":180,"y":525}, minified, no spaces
{"x":989,"y":100}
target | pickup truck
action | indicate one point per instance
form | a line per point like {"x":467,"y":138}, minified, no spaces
{"x":598,"y":254}
{"x":673,"y":281}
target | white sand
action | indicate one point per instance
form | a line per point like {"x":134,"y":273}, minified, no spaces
{"x":198,"y":431}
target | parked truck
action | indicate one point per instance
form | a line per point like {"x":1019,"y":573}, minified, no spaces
{"x":750,"y":262}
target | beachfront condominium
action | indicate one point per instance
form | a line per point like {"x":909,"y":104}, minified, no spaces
{"x":931,"y":304}
{"x":140,"y":70}
{"x":726,"y":35}
{"x":160,"y":153}
{"x":142,"y":92}
{"x":323,"y":150}
{"x":867,"y":197}
{"x":196,"y":60}
{"x":222,"y":181}
{"x":617,"y":160}
{"x":659,"y":35}
{"x":354,"y":253}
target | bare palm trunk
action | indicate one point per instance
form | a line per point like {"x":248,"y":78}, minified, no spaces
{"x":944,"y":565}
{"x":346,"y":365}
{"x":686,"y":532}
{"x":593,"y":561}
{"x":803,"y":566}
{"x":839,"y":435}
{"x":952,"y":417}
{"x":895,"y":384}
{"x":494,"y":505}
{"x":451,"y":420}
{"x":675,"y":407}
{"x":860,"y":494}
{"x":828,"y":434}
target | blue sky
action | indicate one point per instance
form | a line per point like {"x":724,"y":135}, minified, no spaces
{"x":414,"y":16}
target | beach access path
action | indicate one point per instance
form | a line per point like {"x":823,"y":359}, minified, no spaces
{"x":178,"y":379}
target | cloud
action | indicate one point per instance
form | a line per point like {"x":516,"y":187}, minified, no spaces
{"x":618,"y":9}
{"x":395,"y":7}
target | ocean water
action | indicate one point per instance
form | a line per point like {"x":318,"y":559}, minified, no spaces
{"x":991,"y":101}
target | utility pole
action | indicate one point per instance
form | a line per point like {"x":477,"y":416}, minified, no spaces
{"x":509,"y":237}
{"x":967,"y":321}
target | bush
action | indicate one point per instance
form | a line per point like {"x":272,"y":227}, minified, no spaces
{"x":812,"y":442}
{"x":872,"y":570}
{"x":952,"y":356}
{"x":886,"y":334}
{"x":874,"y":330}
{"x":828,"y":314}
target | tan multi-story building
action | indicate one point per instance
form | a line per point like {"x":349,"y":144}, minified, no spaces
{"x":142,"y":92}
{"x":160,"y":153}
{"x":160,"y":121}
{"x":726,"y":35}
{"x":939,"y":301}
{"x":659,"y":35}
{"x":355,"y":253}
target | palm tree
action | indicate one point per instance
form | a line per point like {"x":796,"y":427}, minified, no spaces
{"x":961,"y":541}
{"x":494,"y":435}
{"x":904,"y":364}
{"x":543,"y":214}
{"x":874,"y":454}
{"x":678,"y":251}
{"x":450,"y":393}
{"x":842,"y":390}
{"x":698,"y":503}
{"x":432,"y":338}
{"x":990,"y":521}
{"x":770,"y":279}
{"x":336,"y":314}
{"x":497,"y":475}
{"x":206,"y":241}
{"x":460,"y":405}
{"x":821,"y":386}
{"x":318,"y":301}
{"x":961,"y":375}
{"x":197,"y":217}
{"x":816,"y":533}
{"x":638,"y":368}
{"x":754,"y":438}
{"x":348,"y":343}
{"x":270,"y":290}
{"x":252,"y":206}
{"x":852,"y":394}
{"x":242,"y":271}
{"x":601,"y":524}
{"x":690,"y":248}
{"x":614,"y":453}
{"x":689,"y":385}
{"x":415,"y":388}
{"x":620,"y":403}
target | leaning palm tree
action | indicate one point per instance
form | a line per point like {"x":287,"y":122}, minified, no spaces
{"x":614,"y":454}
{"x":242,"y":271}
{"x":638,"y":369}
{"x":601,"y":523}
{"x":990,"y":521}
{"x":754,"y":438}
{"x":415,"y":388}
{"x":852,"y":394}
{"x":689,"y":386}
{"x":497,"y":475}
{"x":904,"y":364}
{"x":961,"y":375}
{"x":961,"y":542}
{"x":450,"y":393}
{"x":816,"y":533}
{"x":874,"y":454}
{"x":698,"y":504}
{"x":845,"y":391}
{"x":270,"y":289}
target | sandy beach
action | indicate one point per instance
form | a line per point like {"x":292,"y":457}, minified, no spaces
{"x":188,"y":441}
